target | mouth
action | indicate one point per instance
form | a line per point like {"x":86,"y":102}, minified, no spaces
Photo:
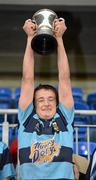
{"x":46,"y":109}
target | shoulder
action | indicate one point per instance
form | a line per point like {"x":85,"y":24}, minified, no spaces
{"x":3,"y":146}
{"x":67,"y":113}
{"x":23,"y":115}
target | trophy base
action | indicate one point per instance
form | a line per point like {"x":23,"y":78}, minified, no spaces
{"x":44,"y":44}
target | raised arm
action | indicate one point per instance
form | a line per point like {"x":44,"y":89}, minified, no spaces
{"x":27,"y":86}
{"x":65,"y":93}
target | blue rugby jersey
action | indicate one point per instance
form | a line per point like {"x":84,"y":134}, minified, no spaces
{"x":6,"y":166}
{"x":46,"y":147}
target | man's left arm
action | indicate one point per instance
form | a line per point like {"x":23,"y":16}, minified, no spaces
{"x":65,"y":92}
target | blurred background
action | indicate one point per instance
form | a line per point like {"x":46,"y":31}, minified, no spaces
{"x":80,"y":42}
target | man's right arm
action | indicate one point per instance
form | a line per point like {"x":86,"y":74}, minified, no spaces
{"x":27,"y":85}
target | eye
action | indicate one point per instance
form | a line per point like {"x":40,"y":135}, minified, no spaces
{"x":40,"y":100}
{"x":51,"y":99}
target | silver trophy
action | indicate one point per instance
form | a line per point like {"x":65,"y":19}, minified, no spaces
{"x":44,"y":41}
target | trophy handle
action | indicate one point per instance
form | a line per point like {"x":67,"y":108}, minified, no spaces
{"x":33,"y":21}
{"x":61,"y":19}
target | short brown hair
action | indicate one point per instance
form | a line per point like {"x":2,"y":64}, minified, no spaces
{"x":46,"y":87}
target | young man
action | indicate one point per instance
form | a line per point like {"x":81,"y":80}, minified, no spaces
{"x":7,"y":171}
{"x":45,"y":132}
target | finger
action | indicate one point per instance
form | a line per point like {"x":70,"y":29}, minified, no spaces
{"x":62,"y":19}
{"x":55,"y":20}
{"x":33,"y":27}
{"x":33,"y":21}
{"x":57,"y":27}
{"x":28,"y":20}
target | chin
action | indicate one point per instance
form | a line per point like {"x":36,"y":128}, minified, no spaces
{"x":48,"y":117}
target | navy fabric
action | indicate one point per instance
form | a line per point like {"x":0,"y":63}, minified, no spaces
{"x":6,"y":166}
{"x":46,"y":147}
{"x":93,"y":173}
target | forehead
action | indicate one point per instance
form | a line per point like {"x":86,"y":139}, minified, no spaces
{"x":45,"y":93}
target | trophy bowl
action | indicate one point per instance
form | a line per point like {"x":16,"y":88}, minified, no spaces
{"x":44,"y":42}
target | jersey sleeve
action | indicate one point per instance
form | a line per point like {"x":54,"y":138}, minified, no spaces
{"x":22,"y":115}
{"x":6,"y":166}
{"x":67,"y":113}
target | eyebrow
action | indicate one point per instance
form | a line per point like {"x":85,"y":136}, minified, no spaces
{"x":44,"y":98}
{"x":40,"y":98}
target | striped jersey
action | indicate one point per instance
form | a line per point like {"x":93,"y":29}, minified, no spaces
{"x":46,"y":147}
{"x":6,"y":166}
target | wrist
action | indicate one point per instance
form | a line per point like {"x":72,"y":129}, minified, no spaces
{"x":60,"y":42}
{"x":29,"y":40}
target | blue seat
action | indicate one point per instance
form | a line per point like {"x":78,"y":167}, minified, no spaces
{"x":5,"y":93}
{"x":6,"y":102}
{"x":91,"y":101}
{"x":77,"y":93}
{"x":83,"y":148}
{"x":81,"y":119}
{"x":93,"y":134}
{"x":81,"y":105}
{"x":6,"y":96}
{"x":17,"y":95}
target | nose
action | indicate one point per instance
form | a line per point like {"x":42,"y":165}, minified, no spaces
{"x":46,"y":102}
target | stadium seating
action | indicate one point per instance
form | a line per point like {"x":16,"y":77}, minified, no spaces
{"x":5,"y":93}
{"x":17,"y":95}
{"x":83,"y":148}
{"x":91,"y":101}
{"x":81,"y":119}
{"x":81,"y":134}
{"x":6,"y":101}
{"x":77,"y":93}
